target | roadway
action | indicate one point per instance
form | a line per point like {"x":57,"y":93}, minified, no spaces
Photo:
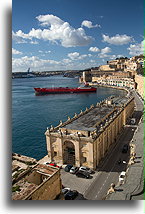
{"x":110,"y":170}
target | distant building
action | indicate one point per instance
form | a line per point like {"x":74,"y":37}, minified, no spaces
{"x":115,"y":81}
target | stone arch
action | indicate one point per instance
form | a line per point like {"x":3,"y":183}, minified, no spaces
{"x":69,"y":152}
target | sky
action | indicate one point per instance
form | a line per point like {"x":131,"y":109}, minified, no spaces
{"x":52,"y":35}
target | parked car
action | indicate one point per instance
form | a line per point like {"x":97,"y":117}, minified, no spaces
{"x":125,"y":148}
{"x":46,"y":163}
{"x":65,"y":190}
{"x":83,"y":174}
{"x":55,"y":165}
{"x":133,"y":121}
{"x":68,"y":167}
{"x":74,"y":169}
{"x":85,"y":169}
{"x":52,"y":164}
{"x":122,"y":177}
{"x":71,"y":195}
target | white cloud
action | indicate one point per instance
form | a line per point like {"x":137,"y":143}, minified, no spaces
{"x":34,"y":42}
{"x":39,"y":64}
{"x":34,"y":62}
{"x":104,"y":52}
{"x":117,"y":39}
{"x":115,"y":56}
{"x":89,"y":24}
{"x":73,"y":55}
{"x":92,"y":61}
{"x":67,"y":61}
{"x":94,"y":49}
{"x":16,"y":52}
{"x":137,"y":48}
{"x":78,"y":56}
{"x":44,"y":51}
{"x":58,"y":31}
{"x":18,"y":39}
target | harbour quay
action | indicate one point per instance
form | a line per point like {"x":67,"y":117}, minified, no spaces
{"x":85,"y":139}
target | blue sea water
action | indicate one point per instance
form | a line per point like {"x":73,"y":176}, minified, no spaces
{"x":31,"y":114}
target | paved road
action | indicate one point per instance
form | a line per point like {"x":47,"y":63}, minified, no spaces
{"x":110,"y":171}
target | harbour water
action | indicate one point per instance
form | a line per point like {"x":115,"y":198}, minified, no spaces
{"x":31,"y":114}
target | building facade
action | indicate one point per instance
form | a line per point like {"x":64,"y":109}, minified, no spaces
{"x":84,"y":139}
{"x":115,"y":81}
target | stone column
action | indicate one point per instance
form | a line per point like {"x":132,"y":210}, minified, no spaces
{"x":60,"y":151}
{"x":97,"y":149}
{"x":124,"y":116}
{"x":95,"y":153}
{"x":109,"y":135}
{"x":90,"y":160}
{"x":116,"y":127}
{"x":77,"y":153}
{"x":49,"y":147}
{"x":103,"y":142}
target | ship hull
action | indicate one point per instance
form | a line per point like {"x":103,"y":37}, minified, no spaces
{"x":45,"y":91}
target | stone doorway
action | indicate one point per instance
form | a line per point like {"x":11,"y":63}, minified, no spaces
{"x":69,"y":153}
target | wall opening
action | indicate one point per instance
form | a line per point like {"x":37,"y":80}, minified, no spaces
{"x":69,"y":153}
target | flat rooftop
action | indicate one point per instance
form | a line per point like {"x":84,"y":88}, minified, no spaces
{"x":88,"y":121}
{"x":118,"y":101}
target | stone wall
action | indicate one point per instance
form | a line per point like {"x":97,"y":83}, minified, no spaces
{"x":139,"y":79}
{"x":106,"y":68}
{"x":47,"y":190}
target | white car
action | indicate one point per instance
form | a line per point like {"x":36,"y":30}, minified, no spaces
{"x":74,"y":169}
{"x":85,"y":169}
{"x":122,"y":177}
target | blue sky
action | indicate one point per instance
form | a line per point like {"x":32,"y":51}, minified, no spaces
{"x":74,"y":34}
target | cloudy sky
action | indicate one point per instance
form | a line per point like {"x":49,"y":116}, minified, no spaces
{"x":74,"y":34}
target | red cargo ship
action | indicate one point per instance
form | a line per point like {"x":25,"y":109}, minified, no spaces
{"x":62,"y":90}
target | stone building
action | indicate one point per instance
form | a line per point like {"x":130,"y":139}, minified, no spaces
{"x":94,"y":75}
{"x":106,"y":68}
{"x":39,"y":182}
{"x":115,"y":81}
{"x":85,"y":138}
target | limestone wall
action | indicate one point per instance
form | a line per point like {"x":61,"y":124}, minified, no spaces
{"x":106,"y":68}
{"x":48,"y":190}
{"x":140,"y":84}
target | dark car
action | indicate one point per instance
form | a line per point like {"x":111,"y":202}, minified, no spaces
{"x":68,"y":167}
{"x":125,"y":148}
{"x":83,"y":174}
{"x":65,"y":190}
{"x":71,"y":195}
